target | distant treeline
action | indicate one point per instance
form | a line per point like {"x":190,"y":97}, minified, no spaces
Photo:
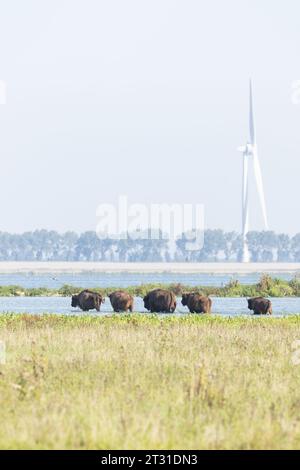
{"x":43,"y":245}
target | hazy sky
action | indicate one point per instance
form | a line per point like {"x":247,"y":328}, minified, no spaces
{"x":147,"y":98}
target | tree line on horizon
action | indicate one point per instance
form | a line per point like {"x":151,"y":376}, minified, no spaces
{"x":44,"y":245}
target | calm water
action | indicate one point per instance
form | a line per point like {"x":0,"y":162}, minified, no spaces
{"x":55,"y":281}
{"x":224,"y":306}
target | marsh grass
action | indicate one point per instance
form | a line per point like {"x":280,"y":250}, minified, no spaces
{"x":142,"y":381}
{"x":267,"y":286}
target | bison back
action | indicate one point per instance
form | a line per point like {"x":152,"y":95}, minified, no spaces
{"x":89,"y":300}
{"x":121,"y":301}
{"x":260,"y":306}
{"x":161,"y":301}
{"x":198,"y":303}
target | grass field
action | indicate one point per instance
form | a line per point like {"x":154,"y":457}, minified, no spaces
{"x":127,"y":382}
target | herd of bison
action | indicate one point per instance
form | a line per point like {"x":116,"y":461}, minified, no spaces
{"x":160,"y":301}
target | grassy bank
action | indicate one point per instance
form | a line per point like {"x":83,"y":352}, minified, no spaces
{"x":146,"y":382}
{"x":267,"y":286}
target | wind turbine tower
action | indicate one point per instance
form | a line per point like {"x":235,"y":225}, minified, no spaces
{"x":250,"y":156}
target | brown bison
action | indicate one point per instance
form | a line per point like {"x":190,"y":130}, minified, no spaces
{"x":121,"y":301}
{"x":196,"y":303}
{"x":260,"y":306}
{"x":160,"y":301}
{"x":87,"y":300}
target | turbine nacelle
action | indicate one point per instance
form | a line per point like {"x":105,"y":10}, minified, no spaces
{"x":247,"y":149}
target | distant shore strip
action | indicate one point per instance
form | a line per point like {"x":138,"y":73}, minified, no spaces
{"x":40,"y":267}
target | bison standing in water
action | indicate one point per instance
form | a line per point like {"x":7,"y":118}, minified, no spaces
{"x":87,"y":300}
{"x":121,"y":301}
{"x":160,"y":301}
{"x":260,"y":306}
{"x":196,"y":303}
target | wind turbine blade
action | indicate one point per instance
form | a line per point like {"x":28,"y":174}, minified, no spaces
{"x":260,"y":188}
{"x":251,"y":116}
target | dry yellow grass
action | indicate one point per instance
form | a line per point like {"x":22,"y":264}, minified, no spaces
{"x":140,"y":382}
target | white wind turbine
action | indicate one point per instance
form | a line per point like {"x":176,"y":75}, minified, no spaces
{"x":250,"y":150}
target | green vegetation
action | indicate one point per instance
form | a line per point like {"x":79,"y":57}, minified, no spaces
{"x":141,"y":381}
{"x":267,"y":286}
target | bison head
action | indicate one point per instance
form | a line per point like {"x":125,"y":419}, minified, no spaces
{"x":74,"y":301}
{"x":146,"y":302}
{"x":185,"y":298}
{"x":250,"y":304}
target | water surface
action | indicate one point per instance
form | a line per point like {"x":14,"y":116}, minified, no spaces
{"x":62,"y":305}
{"x":86,"y":279}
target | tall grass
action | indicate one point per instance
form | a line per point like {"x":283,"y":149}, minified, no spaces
{"x":128,"y":382}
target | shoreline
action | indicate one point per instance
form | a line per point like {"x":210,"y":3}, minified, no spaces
{"x":40,"y":267}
